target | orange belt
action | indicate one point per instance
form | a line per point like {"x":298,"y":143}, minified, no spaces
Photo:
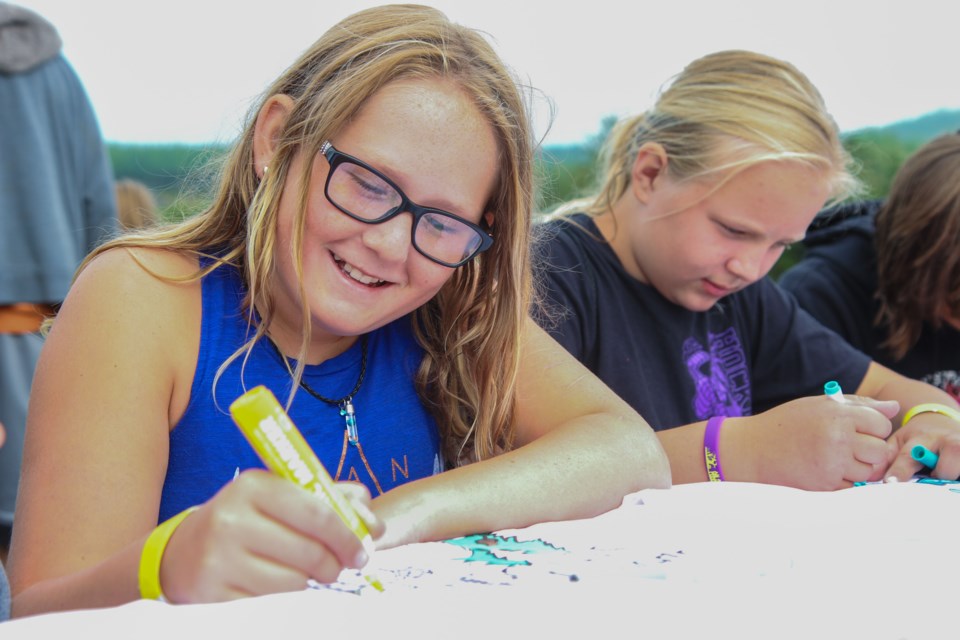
{"x":24,"y":317}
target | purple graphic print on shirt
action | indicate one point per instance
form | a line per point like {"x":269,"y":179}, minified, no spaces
{"x":720,"y":375}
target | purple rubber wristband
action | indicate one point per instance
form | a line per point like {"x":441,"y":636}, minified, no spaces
{"x":711,"y":449}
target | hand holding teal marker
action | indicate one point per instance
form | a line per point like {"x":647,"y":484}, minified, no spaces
{"x":924,"y":456}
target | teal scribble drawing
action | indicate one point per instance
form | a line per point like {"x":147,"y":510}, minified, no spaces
{"x":492,"y":549}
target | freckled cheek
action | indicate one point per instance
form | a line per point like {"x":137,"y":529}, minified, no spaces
{"x":323,"y":224}
{"x":699,"y":258}
{"x":430,"y":278}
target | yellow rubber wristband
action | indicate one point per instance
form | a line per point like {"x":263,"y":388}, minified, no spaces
{"x":152,"y":554}
{"x":931,"y":407}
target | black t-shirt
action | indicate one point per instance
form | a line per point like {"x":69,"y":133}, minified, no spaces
{"x":753,"y":350}
{"x":836,"y":282}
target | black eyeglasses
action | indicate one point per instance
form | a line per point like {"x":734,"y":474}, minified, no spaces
{"x":365,"y":194}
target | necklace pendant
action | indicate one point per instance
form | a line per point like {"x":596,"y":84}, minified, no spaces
{"x":350,"y":416}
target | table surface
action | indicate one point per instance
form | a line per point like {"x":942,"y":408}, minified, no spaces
{"x":722,"y":559}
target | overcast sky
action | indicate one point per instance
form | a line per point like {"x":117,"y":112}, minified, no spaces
{"x":187,"y":70}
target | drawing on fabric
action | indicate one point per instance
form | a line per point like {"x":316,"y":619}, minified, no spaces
{"x":680,"y":535}
{"x":493,"y":549}
{"x":495,"y":559}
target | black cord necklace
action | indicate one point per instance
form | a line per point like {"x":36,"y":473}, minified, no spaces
{"x":345,"y":403}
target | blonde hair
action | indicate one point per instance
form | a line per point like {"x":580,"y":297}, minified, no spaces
{"x":471,"y":329}
{"x":917,"y":235}
{"x":723,"y":113}
{"x":136,"y":206}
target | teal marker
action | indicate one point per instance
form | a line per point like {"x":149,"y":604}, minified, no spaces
{"x":834,"y":392}
{"x":924,"y":456}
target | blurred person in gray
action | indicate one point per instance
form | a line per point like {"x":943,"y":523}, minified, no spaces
{"x":56,"y":204}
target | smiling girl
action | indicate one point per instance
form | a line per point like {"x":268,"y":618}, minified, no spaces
{"x":366,"y":259}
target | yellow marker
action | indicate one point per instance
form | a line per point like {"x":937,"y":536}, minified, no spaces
{"x":283,"y":450}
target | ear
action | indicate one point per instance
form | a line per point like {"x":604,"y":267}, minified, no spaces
{"x":649,"y":167}
{"x":488,"y":218}
{"x":270,"y":122}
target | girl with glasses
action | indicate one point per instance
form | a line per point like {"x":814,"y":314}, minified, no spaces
{"x":366,"y":259}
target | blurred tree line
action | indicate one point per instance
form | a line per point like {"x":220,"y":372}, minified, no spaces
{"x":183,"y":176}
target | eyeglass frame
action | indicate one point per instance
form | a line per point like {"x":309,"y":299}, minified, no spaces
{"x":335,"y":158}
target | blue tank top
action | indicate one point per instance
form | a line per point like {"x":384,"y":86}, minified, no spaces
{"x":398,"y":438}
